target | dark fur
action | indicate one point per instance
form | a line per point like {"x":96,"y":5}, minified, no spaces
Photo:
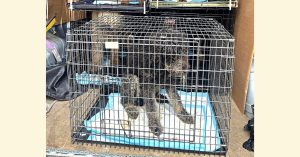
{"x":144,"y":80}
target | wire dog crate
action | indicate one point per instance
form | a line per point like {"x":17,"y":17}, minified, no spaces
{"x":150,"y":81}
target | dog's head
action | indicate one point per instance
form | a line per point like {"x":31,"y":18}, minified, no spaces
{"x":177,"y":64}
{"x":174,"y":49}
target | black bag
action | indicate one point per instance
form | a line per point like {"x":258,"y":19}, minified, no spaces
{"x":57,"y":86}
{"x":249,"y":144}
{"x":55,"y":50}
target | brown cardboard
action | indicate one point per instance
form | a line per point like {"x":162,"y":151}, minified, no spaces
{"x":244,"y":35}
{"x":59,"y":9}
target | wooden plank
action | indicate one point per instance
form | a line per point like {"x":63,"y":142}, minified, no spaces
{"x":59,"y":9}
{"x":244,"y":35}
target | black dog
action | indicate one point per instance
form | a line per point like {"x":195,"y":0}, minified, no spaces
{"x":160,"y":62}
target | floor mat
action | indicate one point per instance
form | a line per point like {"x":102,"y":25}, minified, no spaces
{"x":114,"y":126}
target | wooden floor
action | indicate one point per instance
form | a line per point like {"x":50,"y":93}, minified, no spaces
{"x":58,"y":136}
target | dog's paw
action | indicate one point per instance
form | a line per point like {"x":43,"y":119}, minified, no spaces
{"x":157,"y":131}
{"x":156,"y":128}
{"x":188,"y":119}
{"x":132,"y":112}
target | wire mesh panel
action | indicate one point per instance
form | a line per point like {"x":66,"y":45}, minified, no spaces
{"x":162,"y":82}
{"x":193,"y":3}
{"x":223,"y":15}
{"x":112,"y":5}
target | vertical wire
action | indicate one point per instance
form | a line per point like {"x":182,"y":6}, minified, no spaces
{"x":203,"y":68}
{"x":47,"y":10}
{"x":220,"y":97}
{"x":196,"y":96}
{"x":140,"y":96}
